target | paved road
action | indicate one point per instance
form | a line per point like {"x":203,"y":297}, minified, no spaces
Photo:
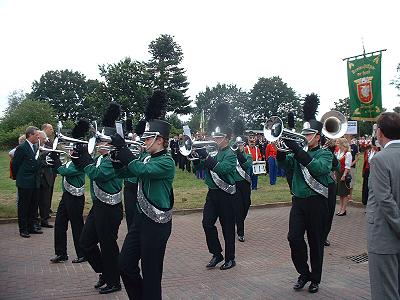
{"x":264,"y":269}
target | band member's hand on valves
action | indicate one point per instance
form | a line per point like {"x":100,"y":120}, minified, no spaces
{"x":202,"y":153}
{"x":115,"y":162}
{"x":55,"y":156}
{"x":292,"y":145}
{"x":117,"y":141}
{"x":81,"y":158}
{"x":123,"y":154}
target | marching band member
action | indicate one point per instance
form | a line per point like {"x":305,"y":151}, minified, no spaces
{"x":309,"y":212}
{"x":148,"y":236}
{"x":221,"y":195}
{"x":242,"y":180}
{"x":72,"y":202}
{"x":104,"y":218}
{"x":256,"y":156}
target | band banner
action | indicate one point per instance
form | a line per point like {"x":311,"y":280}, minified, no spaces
{"x":364,"y":80}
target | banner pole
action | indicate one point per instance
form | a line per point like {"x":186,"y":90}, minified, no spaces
{"x":364,"y":54}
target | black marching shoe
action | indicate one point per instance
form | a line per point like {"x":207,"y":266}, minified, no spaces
{"x":79,"y":260}
{"x":301,"y":282}
{"x":100,"y":282}
{"x":313,"y":288}
{"x":327,"y":243}
{"x":228,"y":264}
{"x":24,"y":234}
{"x":46,"y":224}
{"x":241,"y":238}
{"x":215,"y":260}
{"x":59,"y":258}
{"x":110,"y":289}
{"x":35,"y":231}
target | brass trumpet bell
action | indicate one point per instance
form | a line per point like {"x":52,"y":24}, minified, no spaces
{"x":334,"y":124}
{"x":188,"y":147}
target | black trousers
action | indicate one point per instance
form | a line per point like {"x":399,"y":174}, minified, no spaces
{"x":69,"y":209}
{"x":146,"y":241}
{"x":308,"y":215}
{"x":45,"y":196}
{"x":101,"y":227}
{"x":243,"y":201}
{"x":365,"y":190}
{"x":27,"y":204}
{"x":130,"y":199}
{"x":220,"y":205}
{"x":331,"y":207}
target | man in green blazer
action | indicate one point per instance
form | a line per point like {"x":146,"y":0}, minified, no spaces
{"x":26,"y":168}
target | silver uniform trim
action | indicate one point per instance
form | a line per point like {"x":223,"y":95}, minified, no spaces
{"x":155,"y":214}
{"x":111,"y":199}
{"x":314,"y":184}
{"x":229,"y":188}
{"x":73,"y":190}
{"x":242,"y":172}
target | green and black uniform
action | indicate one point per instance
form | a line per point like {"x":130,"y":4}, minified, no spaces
{"x":309,"y":210}
{"x":70,"y":208}
{"x":243,"y":189}
{"x":220,"y":179}
{"x":148,"y":236}
{"x":103,"y":221}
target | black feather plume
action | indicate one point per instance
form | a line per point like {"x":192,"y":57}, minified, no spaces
{"x":310,"y":106}
{"x":80,"y":129}
{"x":156,"y":107}
{"x":140,"y":126}
{"x":290,"y":120}
{"x":111,"y":115}
{"x":238,"y":128}
{"x":222,"y":115}
{"x":128,"y":125}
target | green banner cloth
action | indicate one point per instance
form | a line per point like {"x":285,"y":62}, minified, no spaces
{"x":364,"y":79}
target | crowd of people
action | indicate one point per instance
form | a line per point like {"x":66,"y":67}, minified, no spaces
{"x":316,"y":175}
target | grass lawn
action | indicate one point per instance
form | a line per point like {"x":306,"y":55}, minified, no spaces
{"x":188,"y":190}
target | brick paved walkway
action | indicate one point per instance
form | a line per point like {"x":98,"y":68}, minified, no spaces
{"x":264,"y":269}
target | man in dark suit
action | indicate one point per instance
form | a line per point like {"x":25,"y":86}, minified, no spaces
{"x":47,"y":181}
{"x":383,"y":213}
{"x":26,"y":168}
{"x":174,"y":146}
{"x":46,"y":176}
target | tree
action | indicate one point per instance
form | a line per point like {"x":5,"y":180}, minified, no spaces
{"x":271,"y":97}
{"x":343,"y":106}
{"x":65,"y":90}
{"x":208,"y":100}
{"x":128,"y":83}
{"x":166,"y":74}
{"x":397,"y":109}
{"x":28,"y":112}
{"x":14,"y":99}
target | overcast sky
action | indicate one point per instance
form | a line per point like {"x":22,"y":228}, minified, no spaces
{"x":233,"y":42}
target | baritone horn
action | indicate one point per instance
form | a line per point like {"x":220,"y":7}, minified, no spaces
{"x":188,"y":147}
{"x":275,"y":132}
{"x":334,"y":124}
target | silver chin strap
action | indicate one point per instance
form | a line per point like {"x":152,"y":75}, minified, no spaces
{"x":152,"y":143}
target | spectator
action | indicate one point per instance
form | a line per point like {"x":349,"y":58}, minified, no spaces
{"x":355,"y":156}
{"x":383,"y":218}
{"x":174,"y":147}
{"x":26,"y":169}
{"x":46,"y":176}
{"x":369,"y":153}
{"x":343,"y":188}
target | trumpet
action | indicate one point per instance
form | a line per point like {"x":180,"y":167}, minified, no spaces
{"x":189,"y":147}
{"x":41,"y":149}
{"x":276,"y":133}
